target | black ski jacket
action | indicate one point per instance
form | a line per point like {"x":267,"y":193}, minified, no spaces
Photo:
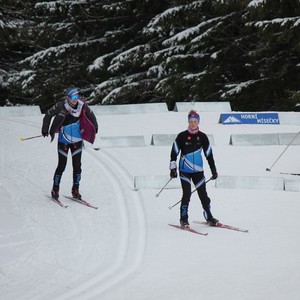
{"x":191,"y":147}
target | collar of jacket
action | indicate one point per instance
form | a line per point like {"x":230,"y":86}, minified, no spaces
{"x":75,"y":112}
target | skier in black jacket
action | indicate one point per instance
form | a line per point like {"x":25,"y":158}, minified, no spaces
{"x":191,"y":143}
{"x":75,"y":122}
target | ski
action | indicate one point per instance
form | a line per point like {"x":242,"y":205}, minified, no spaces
{"x":57,"y":201}
{"x":294,"y":174}
{"x":81,"y":201}
{"x":221,"y":225}
{"x":188,"y":229}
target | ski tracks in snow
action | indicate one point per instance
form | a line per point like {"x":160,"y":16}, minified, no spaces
{"x":121,"y":217}
{"x":131,"y":228}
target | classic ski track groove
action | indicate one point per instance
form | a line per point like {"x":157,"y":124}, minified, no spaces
{"x":120,"y":268}
{"x":133,"y":240}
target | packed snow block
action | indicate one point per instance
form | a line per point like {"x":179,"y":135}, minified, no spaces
{"x":250,"y":182}
{"x":129,"y":108}
{"x":120,"y":141}
{"x":289,"y":138}
{"x":203,"y":106}
{"x":292,"y":185}
{"x":155,"y":182}
{"x":163,"y":139}
{"x":254,"y":139}
{"x":168,"y":139}
{"x":289,"y":118}
{"x":20,"y":111}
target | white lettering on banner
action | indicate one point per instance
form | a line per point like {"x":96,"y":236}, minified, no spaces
{"x":268,"y":121}
{"x":249,"y":116}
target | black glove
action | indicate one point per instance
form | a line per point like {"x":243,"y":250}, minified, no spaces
{"x":214,"y":174}
{"x":44,"y":133}
{"x":173,"y":173}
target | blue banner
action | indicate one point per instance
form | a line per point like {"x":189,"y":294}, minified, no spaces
{"x":250,"y":118}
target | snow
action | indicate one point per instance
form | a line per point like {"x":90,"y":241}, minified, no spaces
{"x":280,"y":21}
{"x":187,"y":33}
{"x":256,"y":3}
{"x":125,"y":249}
{"x":156,"y":25}
{"x":134,"y":54}
{"x":36,"y":58}
{"x":236,"y":88}
{"x":99,"y":63}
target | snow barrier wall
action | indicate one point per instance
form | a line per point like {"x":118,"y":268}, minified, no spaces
{"x":19,"y":111}
{"x":265,"y":139}
{"x":168,"y":139}
{"x":203,"y":106}
{"x":138,"y":141}
{"x":119,"y":141}
{"x":160,"y":107}
{"x":225,"y":182}
{"x":289,"y":118}
{"x":129,"y":108}
{"x":155,"y":182}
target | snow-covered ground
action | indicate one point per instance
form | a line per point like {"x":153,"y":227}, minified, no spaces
{"x":125,"y":250}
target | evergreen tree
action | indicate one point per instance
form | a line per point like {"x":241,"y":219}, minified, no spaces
{"x":132,"y":51}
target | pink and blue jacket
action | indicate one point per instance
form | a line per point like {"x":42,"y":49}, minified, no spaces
{"x":83,"y":114}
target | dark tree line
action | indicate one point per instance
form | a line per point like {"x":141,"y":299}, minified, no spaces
{"x":245,"y":52}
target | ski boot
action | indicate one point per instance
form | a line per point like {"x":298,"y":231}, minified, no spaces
{"x":212,"y":221}
{"x":184,"y":223}
{"x":75,"y":193}
{"x":55,"y":193}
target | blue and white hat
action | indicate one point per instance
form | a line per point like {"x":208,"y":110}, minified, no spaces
{"x":73,"y":94}
{"x":193,"y":115}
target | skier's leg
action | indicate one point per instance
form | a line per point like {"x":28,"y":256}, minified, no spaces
{"x":62,"y":150}
{"x":76,"y":150}
{"x":185,"y":179}
{"x":199,"y":181}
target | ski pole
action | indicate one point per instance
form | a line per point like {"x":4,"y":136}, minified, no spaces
{"x":29,"y":138}
{"x":205,"y":183}
{"x":269,"y":169}
{"x":170,"y":207}
{"x":163,"y":187}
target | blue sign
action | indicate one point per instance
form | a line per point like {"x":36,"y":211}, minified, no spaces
{"x":250,"y":118}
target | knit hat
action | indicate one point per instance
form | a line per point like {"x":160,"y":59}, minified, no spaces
{"x":193,"y":115}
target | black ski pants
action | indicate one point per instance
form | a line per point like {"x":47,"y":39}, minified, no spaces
{"x":76,"y":151}
{"x":199,"y":181}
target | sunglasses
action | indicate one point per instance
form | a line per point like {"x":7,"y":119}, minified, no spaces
{"x":74,"y":97}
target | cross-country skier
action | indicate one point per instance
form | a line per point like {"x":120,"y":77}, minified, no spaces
{"x":75,"y":122}
{"x":191,"y":143}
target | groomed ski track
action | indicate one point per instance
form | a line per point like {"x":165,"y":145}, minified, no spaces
{"x":131,"y":229}
{"x":125,"y":250}
{"x":87,"y":268}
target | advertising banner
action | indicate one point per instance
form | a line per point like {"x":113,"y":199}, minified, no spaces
{"x":250,"y":118}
